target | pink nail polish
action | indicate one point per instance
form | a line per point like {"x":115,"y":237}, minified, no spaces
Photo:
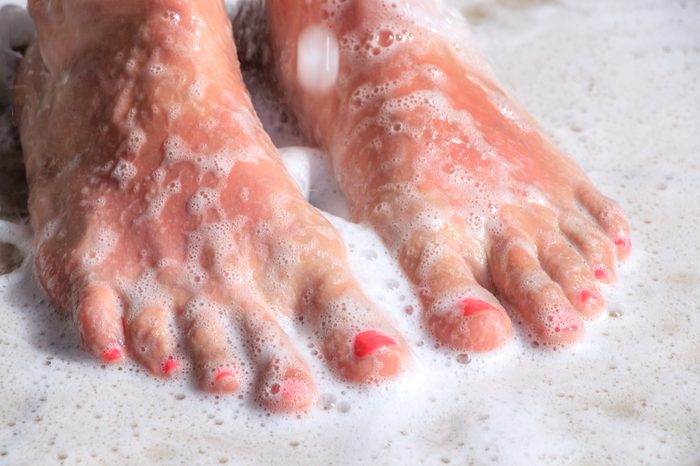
{"x":170,"y":365}
{"x":588,"y":297}
{"x":369,"y":341}
{"x":112,"y":353}
{"x":601,"y":274}
{"x":471,"y":306}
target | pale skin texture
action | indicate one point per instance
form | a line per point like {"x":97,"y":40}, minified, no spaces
{"x":168,"y":228}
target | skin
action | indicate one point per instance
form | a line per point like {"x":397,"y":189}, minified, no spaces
{"x":482,"y":211}
{"x":167,"y":226}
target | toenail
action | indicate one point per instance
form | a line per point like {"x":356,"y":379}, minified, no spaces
{"x":568,"y":329}
{"x":112,"y":353}
{"x":623,"y":242}
{"x":471,"y":306}
{"x":295,"y":389}
{"x":600,"y":273}
{"x":170,"y":365}
{"x":369,"y":341}
{"x":222,"y":375}
{"x":588,"y":297}
{"x":564,"y":321}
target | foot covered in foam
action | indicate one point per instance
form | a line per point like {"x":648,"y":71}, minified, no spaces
{"x":165,"y":222}
{"x":482,"y":211}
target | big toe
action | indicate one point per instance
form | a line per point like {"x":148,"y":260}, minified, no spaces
{"x":366,"y":355}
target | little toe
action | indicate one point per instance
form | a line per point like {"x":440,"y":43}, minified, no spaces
{"x":565,"y":266}
{"x":99,"y":319}
{"x":609,"y":216}
{"x":151,"y":340}
{"x":595,"y":248}
{"x":538,"y":300}
{"x":284,"y":381}
{"x":287,"y":389}
{"x":209,"y":347}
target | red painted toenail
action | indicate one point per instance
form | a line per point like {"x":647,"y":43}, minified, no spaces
{"x":471,"y":306}
{"x":569,"y":329}
{"x":170,"y":365}
{"x":600,"y":273}
{"x":222,"y":375}
{"x":111,"y":354}
{"x":623,"y":242}
{"x":369,"y":341}
{"x":588,"y":297}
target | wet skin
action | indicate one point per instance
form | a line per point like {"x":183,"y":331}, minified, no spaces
{"x":482,"y":211}
{"x":168,"y":228}
{"x":165,"y":223}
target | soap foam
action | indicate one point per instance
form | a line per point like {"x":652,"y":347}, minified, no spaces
{"x":626,"y":395}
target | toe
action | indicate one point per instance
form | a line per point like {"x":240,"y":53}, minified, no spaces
{"x":99,"y":319}
{"x":284,"y":381}
{"x":356,"y":340}
{"x":475,"y":323}
{"x":595,"y":248}
{"x":565,"y":266}
{"x":538,"y":300}
{"x":151,"y":340}
{"x":210,"y":347}
{"x":458,"y":311}
{"x":364,"y":354}
{"x":287,"y":389}
{"x":609,"y":216}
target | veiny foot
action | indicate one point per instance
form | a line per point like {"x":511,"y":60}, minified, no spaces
{"x":480,"y":208}
{"x":165,"y":222}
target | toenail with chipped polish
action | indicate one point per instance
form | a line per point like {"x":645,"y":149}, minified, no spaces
{"x":566,"y":329}
{"x":564,"y":321}
{"x":623,"y":242}
{"x":588,"y":297}
{"x":170,"y":365}
{"x":369,"y":341}
{"x":112,"y":353}
{"x":295,"y":389}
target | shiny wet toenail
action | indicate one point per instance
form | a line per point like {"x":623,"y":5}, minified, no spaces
{"x":369,"y":341}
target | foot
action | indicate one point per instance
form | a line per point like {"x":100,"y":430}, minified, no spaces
{"x":165,"y":222}
{"x":483,"y":212}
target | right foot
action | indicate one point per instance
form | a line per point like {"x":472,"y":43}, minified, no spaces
{"x":479,"y":207}
{"x":165,"y":223}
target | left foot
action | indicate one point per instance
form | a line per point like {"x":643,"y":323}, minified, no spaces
{"x":167,"y":226}
{"x":459,"y":181}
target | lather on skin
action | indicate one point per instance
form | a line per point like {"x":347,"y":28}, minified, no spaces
{"x":167,"y":226}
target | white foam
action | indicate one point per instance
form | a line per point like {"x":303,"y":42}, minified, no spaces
{"x":626,"y":395}
{"x":298,"y":161}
